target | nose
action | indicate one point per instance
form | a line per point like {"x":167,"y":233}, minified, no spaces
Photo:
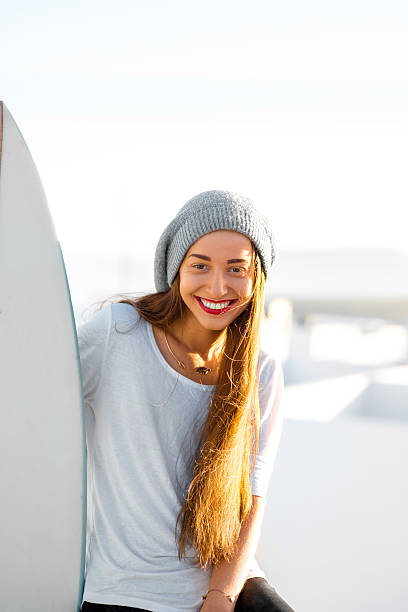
{"x":217,"y":285}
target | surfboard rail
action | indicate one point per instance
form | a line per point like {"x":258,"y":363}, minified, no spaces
{"x":42,"y":438}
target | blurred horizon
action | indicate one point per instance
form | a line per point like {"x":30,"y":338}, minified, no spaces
{"x":346,"y":278}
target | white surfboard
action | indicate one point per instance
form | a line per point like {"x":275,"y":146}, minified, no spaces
{"x":42,"y":442}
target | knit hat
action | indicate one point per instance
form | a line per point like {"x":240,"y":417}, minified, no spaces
{"x":204,"y":213}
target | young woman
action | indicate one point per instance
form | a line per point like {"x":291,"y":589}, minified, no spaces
{"x":183,"y":421}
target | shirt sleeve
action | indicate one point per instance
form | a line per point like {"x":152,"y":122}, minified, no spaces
{"x":92,"y":341}
{"x":270,"y":385}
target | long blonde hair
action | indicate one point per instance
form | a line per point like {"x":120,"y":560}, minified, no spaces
{"x":219,"y":496}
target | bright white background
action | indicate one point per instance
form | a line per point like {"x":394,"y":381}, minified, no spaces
{"x":130,"y":108}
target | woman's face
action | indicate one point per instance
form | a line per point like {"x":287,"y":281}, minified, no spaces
{"x":216,"y":278}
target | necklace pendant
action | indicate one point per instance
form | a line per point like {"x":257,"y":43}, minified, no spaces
{"x":203,"y":370}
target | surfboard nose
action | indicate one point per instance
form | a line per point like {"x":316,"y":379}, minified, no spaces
{"x":42,"y":453}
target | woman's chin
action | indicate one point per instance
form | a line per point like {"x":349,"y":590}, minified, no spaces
{"x":213,"y":322}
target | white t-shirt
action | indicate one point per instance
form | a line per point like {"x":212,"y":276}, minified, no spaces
{"x":142,"y":424}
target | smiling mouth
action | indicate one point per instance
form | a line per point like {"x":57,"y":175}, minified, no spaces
{"x":213,"y":307}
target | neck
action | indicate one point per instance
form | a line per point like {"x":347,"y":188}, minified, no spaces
{"x":197,"y":339}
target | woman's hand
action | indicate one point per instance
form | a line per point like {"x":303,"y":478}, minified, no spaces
{"x":217,"y":602}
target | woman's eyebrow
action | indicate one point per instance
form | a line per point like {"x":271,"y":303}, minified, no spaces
{"x":209,"y":258}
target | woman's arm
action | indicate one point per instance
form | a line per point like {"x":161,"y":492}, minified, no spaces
{"x":230,"y":576}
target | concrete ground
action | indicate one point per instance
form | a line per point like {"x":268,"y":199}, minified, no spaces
{"x":335,"y":534}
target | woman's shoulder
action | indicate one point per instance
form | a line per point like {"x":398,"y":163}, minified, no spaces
{"x":270,"y":383}
{"x":109,"y":316}
{"x":122,"y":312}
{"x":268,"y":364}
{"x":94,"y":326}
{"x":125,"y":318}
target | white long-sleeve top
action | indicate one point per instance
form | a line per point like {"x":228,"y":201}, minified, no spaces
{"x":142,"y":421}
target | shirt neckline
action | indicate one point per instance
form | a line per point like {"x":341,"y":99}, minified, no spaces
{"x":168,"y":367}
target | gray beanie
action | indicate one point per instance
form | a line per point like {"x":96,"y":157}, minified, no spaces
{"x":207,"y":212}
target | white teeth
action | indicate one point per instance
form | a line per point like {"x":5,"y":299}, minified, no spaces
{"x":217,"y":306}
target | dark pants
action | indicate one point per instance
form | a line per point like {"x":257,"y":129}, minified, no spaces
{"x":257,"y":595}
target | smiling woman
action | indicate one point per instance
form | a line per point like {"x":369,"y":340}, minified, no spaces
{"x":185,"y":412}
{"x":218,"y":286}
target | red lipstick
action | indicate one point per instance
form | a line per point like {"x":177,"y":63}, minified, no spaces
{"x":212,"y":310}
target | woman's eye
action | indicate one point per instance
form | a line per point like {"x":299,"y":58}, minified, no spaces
{"x":234,"y":269}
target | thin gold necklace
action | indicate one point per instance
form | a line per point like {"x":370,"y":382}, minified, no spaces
{"x":199,"y":370}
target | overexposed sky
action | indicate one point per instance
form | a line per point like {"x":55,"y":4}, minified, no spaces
{"x":131,"y":108}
